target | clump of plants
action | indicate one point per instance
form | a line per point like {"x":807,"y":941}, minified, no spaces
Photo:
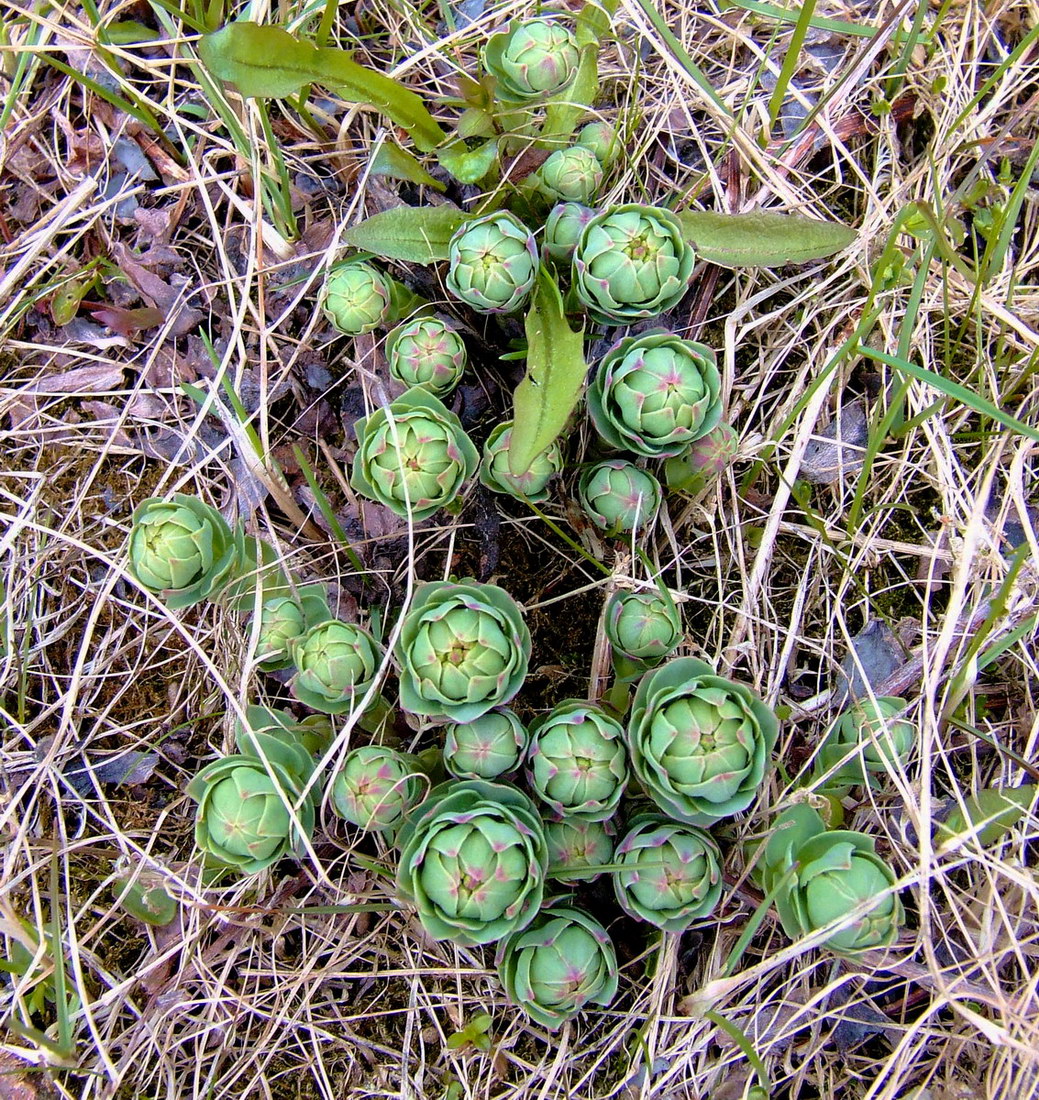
{"x":629,"y":787}
{"x":629,"y":791}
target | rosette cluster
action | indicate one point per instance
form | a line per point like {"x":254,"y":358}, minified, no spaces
{"x":700,"y":743}
{"x":413,"y":455}
{"x":183,"y":549}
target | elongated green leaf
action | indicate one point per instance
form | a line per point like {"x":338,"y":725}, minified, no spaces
{"x":992,"y":812}
{"x":952,"y":389}
{"x":555,"y":377}
{"x":414,"y":234}
{"x":397,"y":163}
{"x":268,"y":62}
{"x":762,"y":238}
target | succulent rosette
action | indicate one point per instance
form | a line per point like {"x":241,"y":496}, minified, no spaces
{"x":282,"y":621}
{"x":243,"y":820}
{"x":631,"y":262}
{"x":493,"y":263}
{"x":532,"y":59}
{"x":532,"y":485}
{"x":618,"y":497}
{"x":413,"y":455}
{"x":699,"y":743}
{"x":655,"y":394}
{"x":563,"y":962}
{"x":603,"y":141}
{"x":375,"y":787}
{"x":356,"y":297}
{"x":427,"y":352}
{"x":704,"y":461}
{"x":486,"y":747}
{"x":821,"y":877}
{"x":577,"y":763}
{"x":577,"y":848}
{"x":565,"y":223}
{"x":671,"y":873}
{"x":336,"y":663}
{"x":869,"y":738}
{"x":570,"y":175}
{"x":642,"y":628}
{"x":473,"y":859}
{"x":463,"y":650}
{"x":182,"y":549}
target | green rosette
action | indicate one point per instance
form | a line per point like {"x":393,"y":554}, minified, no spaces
{"x":183,"y":549}
{"x":473,"y":860}
{"x":655,"y":394}
{"x":820,"y":877}
{"x":671,"y":873}
{"x":577,"y":762}
{"x":413,"y":455}
{"x":631,"y":262}
{"x":558,"y":966}
{"x":699,"y":743}
{"x":463,"y":649}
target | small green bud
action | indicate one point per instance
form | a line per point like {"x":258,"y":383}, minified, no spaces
{"x":570,"y":175}
{"x":355,"y":297}
{"x":619,"y":498}
{"x":428,"y":352}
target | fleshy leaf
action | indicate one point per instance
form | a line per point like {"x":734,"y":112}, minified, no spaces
{"x":554,"y":380}
{"x":469,"y":165}
{"x":268,"y":62}
{"x":762,"y":238}
{"x":145,"y":898}
{"x":992,"y":813}
{"x":397,"y":163}
{"x":414,"y":234}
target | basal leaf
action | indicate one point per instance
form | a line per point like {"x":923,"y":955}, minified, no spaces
{"x":397,"y":163}
{"x":992,"y":813}
{"x":414,"y":234}
{"x":268,"y":62}
{"x":762,"y":238}
{"x":555,"y":377}
{"x":469,"y":165}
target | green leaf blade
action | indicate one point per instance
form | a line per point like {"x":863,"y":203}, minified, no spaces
{"x":266,"y":62}
{"x":555,"y":377}
{"x":762,"y":238}
{"x":411,"y":234}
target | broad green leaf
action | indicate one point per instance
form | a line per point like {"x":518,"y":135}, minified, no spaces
{"x":555,"y":377}
{"x":145,"y":898}
{"x":393,"y":161}
{"x":469,"y":165}
{"x":268,"y":62}
{"x":991,"y":813}
{"x":762,"y":238}
{"x":414,"y":234}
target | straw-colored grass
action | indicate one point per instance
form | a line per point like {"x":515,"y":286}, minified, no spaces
{"x":312,"y":981}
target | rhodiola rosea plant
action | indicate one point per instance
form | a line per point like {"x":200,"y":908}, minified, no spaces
{"x":612,"y":266}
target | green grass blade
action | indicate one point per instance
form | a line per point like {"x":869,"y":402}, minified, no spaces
{"x":954,"y":391}
{"x":790,"y":62}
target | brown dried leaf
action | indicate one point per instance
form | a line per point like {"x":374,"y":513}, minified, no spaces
{"x":837,"y":451}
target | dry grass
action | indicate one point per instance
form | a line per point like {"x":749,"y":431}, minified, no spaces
{"x":276,"y":986}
